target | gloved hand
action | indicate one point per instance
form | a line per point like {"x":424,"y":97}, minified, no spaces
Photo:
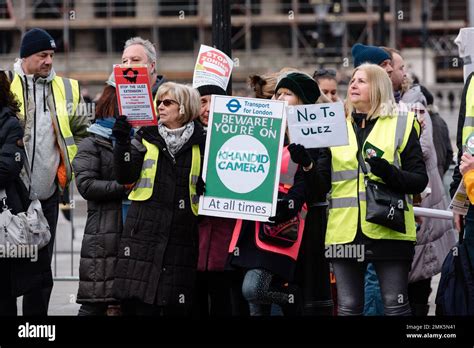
{"x":299,"y":155}
{"x":121,"y":129}
{"x":285,"y":211}
{"x":380,"y":167}
{"x":200,"y":186}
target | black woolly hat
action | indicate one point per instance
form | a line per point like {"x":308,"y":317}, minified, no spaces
{"x":302,"y":85}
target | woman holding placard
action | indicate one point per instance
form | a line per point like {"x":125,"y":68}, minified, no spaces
{"x":269,"y":266}
{"x":158,"y":252}
{"x":312,"y":271}
{"x":387,"y":140}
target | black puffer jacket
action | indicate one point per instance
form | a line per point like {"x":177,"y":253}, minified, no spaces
{"x":18,"y":276}
{"x":158,"y":250}
{"x":95,"y":179}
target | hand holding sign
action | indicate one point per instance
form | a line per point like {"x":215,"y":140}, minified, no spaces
{"x":121,"y":130}
{"x":299,"y":155}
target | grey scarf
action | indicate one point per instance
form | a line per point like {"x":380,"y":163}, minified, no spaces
{"x":176,"y":138}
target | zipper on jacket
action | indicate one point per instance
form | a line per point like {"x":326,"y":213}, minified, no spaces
{"x":44,"y":98}
{"x":34,"y":126}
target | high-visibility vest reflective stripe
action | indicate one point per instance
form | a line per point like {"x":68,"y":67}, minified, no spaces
{"x":143,"y":189}
{"x":390,"y":134}
{"x":468,"y":127}
{"x":66,"y":99}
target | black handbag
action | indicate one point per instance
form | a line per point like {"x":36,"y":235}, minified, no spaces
{"x":383,"y":206}
{"x":284,"y":234}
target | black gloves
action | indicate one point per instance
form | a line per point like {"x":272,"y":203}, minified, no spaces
{"x":299,"y":155}
{"x":121,"y":129}
{"x":285,"y":211}
{"x":200,"y":186}
{"x":380,"y":167}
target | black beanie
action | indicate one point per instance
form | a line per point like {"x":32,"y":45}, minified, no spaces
{"x":429,"y":97}
{"x":210,"y":89}
{"x":302,"y":85}
{"x":34,"y":41}
{"x":368,"y":54}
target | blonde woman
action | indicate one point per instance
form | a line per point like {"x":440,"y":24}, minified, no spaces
{"x":388,"y":142}
{"x":158,"y":252}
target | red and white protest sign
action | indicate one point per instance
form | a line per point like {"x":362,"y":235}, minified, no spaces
{"x":134,"y":94}
{"x":213,"y":67}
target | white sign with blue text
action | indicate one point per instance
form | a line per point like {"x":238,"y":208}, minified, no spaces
{"x":317,"y":125}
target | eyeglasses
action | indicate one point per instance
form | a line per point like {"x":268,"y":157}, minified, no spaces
{"x":324,"y":72}
{"x":166,"y":102}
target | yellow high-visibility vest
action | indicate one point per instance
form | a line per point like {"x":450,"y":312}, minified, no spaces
{"x":66,"y":95}
{"x":143,"y":189}
{"x":347,"y":201}
{"x":468,"y":127}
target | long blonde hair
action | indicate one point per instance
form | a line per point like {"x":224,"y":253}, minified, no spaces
{"x":381,"y":99}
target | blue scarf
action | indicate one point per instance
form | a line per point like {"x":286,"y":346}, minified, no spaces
{"x":103,"y":127}
{"x":398,"y":96}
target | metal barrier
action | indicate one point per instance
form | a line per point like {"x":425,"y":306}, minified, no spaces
{"x":62,"y":246}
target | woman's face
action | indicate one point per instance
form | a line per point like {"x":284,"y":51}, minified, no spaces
{"x":204,"y":115}
{"x":168,"y":110}
{"x":359,"y":91}
{"x":286,"y":94}
{"x":329,"y":88}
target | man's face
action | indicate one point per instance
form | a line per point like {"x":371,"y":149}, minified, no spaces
{"x":39,"y":64}
{"x":135,"y":54}
{"x":204,"y":115}
{"x":399,"y":72}
{"x":387,"y":66}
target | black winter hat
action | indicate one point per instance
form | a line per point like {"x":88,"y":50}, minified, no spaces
{"x":302,"y":85}
{"x":210,"y":89}
{"x":368,"y":54}
{"x":429,"y":97}
{"x":36,"y":40}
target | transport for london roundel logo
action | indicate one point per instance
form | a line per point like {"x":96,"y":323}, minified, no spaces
{"x":242,"y":163}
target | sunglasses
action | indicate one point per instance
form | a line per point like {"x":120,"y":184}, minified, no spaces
{"x":166,"y":102}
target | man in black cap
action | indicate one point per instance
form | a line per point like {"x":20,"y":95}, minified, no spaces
{"x":206,"y":91}
{"x":55,"y":121}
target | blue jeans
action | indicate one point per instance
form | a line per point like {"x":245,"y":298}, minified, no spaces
{"x":125,"y":206}
{"x":373,"y":297}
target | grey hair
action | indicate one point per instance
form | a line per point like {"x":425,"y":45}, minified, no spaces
{"x":149,"y":48}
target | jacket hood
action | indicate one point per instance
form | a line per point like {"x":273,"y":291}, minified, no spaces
{"x":19,"y":70}
{"x":5,"y":113}
{"x":414,"y":95}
